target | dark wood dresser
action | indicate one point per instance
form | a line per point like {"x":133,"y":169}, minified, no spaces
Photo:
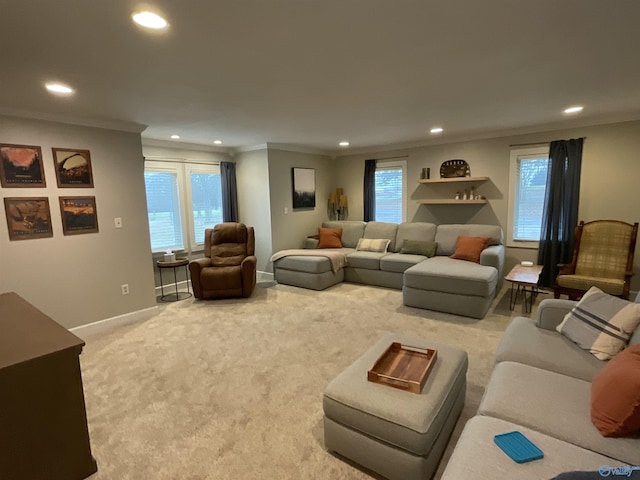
{"x":43,"y":422}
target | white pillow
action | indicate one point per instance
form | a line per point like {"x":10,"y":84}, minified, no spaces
{"x":373,"y":245}
{"x":601,"y":323}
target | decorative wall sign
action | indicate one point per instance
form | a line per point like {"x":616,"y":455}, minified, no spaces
{"x":304,"y":187}
{"x":79,"y":215}
{"x":21,"y":166}
{"x":73,"y":168}
{"x":454,"y":168}
{"x":28,"y":217}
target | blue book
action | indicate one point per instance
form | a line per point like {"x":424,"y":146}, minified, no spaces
{"x":519,"y":448}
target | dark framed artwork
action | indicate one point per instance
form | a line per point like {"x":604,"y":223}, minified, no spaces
{"x":79,"y":215}
{"x":73,"y":168}
{"x":21,"y":166}
{"x":28,"y":217}
{"x":304,"y":187}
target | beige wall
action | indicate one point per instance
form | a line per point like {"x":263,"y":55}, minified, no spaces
{"x":76,"y":279}
{"x":290,"y":229}
{"x":252,"y":177}
{"x":610,"y":176}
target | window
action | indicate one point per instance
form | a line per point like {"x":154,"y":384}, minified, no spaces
{"x":391,"y":192}
{"x":182,"y":200}
{"x":527,"y":187}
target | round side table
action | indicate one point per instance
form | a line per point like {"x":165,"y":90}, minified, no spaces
{"x":174,"y":297}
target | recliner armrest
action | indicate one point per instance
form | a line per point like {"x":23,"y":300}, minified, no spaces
{"x":552,"y":311}
{"x":195,"y":268}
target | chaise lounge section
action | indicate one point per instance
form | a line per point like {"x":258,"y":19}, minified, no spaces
{"x":438,"y":283}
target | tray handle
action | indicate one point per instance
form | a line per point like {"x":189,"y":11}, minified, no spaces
{"x":392,"y":380}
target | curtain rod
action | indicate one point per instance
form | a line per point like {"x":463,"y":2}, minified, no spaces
{"x":392,"y":158}
{"x":178,"y":160}
{"x":533,"y":144}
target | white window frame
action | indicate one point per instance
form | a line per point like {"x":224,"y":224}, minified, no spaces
{"x":183,"y":170}
{"x":390,"y":164}
{"x":517,"y":154}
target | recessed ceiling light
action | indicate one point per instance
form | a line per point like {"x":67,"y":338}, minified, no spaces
{"x":574,"y":109}
{"x":437,"y":130}
{"x":344,"y":144}
{"x":175,"y":137}
{"x":149,"y":20}
{"x":218,"y":142}
{"x":59,"y":88}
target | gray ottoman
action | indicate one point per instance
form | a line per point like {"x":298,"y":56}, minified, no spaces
{"x":398,"y":434}
{"x":448,"y":285}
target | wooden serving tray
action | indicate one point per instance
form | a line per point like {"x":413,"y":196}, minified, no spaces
{"x":403,"y":367}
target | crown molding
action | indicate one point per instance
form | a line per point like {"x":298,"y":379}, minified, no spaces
{"x":80,"y":121}
{"x":154,"y":142}
{"x":250,"y":148}
{"x":287,"y":147}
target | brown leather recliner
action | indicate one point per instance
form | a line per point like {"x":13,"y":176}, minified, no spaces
{"x":229,"y":266}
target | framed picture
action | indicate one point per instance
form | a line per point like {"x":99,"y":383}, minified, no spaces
{"x":28,"y":217}
{"x":79,"y":215}
{"x":21,"y":166}
{"x":73,"y":168}
{"x":304,"y":187}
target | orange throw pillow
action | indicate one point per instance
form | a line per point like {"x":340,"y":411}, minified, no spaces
{"x":469,"y":248}
{"x":615,"y":395}
{"x":330,"y":237}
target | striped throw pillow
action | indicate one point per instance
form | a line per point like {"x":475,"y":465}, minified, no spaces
{"x":601,"y":323}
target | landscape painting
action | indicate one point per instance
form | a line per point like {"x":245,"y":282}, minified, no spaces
{"x":79,"y":215}
{"x":21,"y":166}
{"x":304,"y":187}
{"x":73,"y":168}
{"x":28,"y":217}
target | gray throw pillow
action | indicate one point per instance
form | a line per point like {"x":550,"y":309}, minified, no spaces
{"x":419,"y":247}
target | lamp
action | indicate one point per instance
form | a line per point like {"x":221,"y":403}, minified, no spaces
{"x":337,"y":205}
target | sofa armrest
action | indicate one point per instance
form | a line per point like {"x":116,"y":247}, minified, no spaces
{"x":552,"y":311}
{"x":493,"y":256}
{"x":248,"y":267}
{"x":311,"y":243}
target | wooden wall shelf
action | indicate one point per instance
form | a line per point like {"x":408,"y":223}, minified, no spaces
{"x":448,"y":201}
{"x":453,"y":180}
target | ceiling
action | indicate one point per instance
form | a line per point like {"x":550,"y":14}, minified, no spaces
{"x":310,"y":73}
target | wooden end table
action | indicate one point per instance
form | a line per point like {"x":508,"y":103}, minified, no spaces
{"x":174,"y":297}
{"x":524,"y":279}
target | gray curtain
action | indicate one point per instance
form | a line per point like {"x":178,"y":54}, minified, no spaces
{"x":369,"y":190}
{"x":560,"y":214}
{"x":229,"y":192}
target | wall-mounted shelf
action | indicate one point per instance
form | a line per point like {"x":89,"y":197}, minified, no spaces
{"x":448,"y":201}
{"x":453,"y":180}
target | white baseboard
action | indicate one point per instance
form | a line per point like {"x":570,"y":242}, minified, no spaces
{"x":264,"y":276}
{"x":101,"y":326}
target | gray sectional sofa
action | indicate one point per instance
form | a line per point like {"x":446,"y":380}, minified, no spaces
{"x":438,"y":283}
{"x":541,"y":386}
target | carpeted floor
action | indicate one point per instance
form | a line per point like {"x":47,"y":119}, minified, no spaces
{"x":232,"y":389}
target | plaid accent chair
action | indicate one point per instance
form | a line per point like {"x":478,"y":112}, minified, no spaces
{"x":602,"y":257}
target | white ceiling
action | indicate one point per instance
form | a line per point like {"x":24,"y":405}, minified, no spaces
{"x":310,"y":73}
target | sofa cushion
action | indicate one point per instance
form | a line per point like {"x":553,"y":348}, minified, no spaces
{"x":382,"y":230}
{"x":524,"y":342}
{"x":615,"y":395}
{"x":307,"y":264}
{"x":372,"y":245}
{"x":553,"y":404}
{"x":367,"y":260}
{"x":447,"y":235}
{"x":421,"y":231}
{"x":601,"y":323}
{"x":399,"y":262}
{"x":329,"y":238}
{"x":477,"y":457}
{"x":419,"y":247}
{"x":352,"y":231}
{"x":443,"y":274}
{"x":470,"y":248}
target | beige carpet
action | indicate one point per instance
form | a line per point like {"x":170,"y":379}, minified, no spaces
{"x":232,"y":389}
